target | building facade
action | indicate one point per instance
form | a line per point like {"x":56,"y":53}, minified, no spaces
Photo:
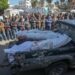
{"x":25,"y":4}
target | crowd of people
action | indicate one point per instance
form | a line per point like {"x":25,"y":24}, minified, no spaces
{"x":10,"y":25}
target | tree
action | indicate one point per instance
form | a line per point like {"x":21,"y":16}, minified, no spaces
{"x":63,"y":6}
{"x":49,"y":2}
{"x":57,"y":3}
{"x":34,"y":3}
{"x":62,"y":2}
{"x":69,"y":4}
{"x":3,"y":5}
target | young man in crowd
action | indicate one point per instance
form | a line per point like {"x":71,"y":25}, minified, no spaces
{"x":2,"y":32}
{"x":48,"y":22}
{"x":33,"y":21}
{"x":8,"y":29}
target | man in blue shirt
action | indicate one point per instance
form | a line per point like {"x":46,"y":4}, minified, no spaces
{"x":48,"y":22}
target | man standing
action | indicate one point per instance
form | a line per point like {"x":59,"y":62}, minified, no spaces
{"x":8,"y":29}
{"x":48,"y":22}
{"x":33,"y":21}
{"x":2,"y":32}
{"x":14,"y":25}
{"x":21,"y":25}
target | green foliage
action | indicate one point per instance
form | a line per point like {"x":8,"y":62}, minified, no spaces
{"x":62,"y":1}
{"x":63,"y":4}
{"x":49,"y":1}
{"x":57,"y":3}
{"x":34,"y":3}
{"x":3,"y":4}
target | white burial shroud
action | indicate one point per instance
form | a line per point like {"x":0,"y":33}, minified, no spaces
{"x":52,"y":40}
{"x":36,"y":34}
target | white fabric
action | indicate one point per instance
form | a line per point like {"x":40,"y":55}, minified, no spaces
{"x":69,"y":21}
{"x":52,"y":43}
{"x":37,"y":34}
